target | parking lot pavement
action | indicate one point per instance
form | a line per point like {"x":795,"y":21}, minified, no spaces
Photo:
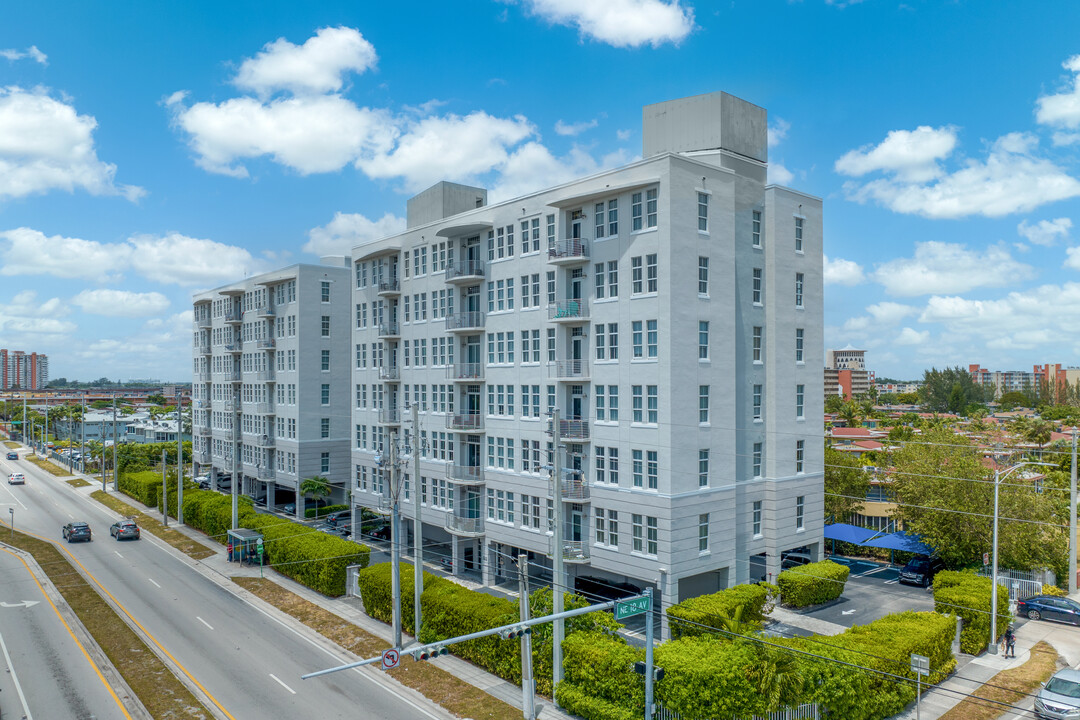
{"x":872,"y":591}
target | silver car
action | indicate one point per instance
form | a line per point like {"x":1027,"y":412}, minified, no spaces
{"x":1059,"y":698}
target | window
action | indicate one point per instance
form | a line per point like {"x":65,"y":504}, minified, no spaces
{"x":800,"y":450}
{"x":638,"y":399}
{"x":757,"y":403}
{"x":799,"y":345}
{"x":326,"y":394}
{"x":703,"y":404}
{"x":636,"y":284}
{"x":324,"y":427}
{"x":638,"y":467}
{"x":800,"y":512}
{"x":798,"y":290}
{"x":324,"y":463}
{"x":650,"y":273}
{"x":637,"y":338}
{"x":800,"y":396}
{"x":613,"y":528}
{"x":703,"y":212}
{"x":601,"y":224}
{"x":551,"y":287}
{"x":651,"y":338}
{"x":601,"y":284}
{"x":703,"y":532}
{"x":635,"y":212}
{"x":653,"y":400}
{"x":551,"y":344}
{"x":757,"y":460}
{"x":703,"y":468}
{"x":755,"y":233}
{"x":651,"y":536}
{"x":757,"y":518}
{"x":703,"y":276}
{"x":550,"y":231}
{"x":613,"y":403}
{"x":637,"y":532}
{"x":650,"y":207}
{"x":703,"y":340}
{"x":600,"y":526}
{"x":798,"y":234}
{"x":756,"y":297}
{"x":325,"y":360}
{"x":757,"y":343}
{"x":325,"y":291}
{"x":326,"y":326}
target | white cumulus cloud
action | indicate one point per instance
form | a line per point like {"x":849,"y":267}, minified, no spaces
{"x":31,"y":52}
{"x":778,"y":131}
{"x":890,"y":313}
{"x":911,"y":155}
{"x":26,"y":251}
{"x":779,"y":175}
{"x":318,"y":66}
{"x":25,"y":315}
{"x":910,"y":336}
{"x":838,"y":271}
{"x":176,"y":259}
{"x":533,"y":167}
{"x":565,"y":128}
{"x":121,"y":303}
{"x":620,"y":23}
{"x":347,"y":230}
{"x":1062,"y":109}
{"x":1045,"y":232}
{"x":46,"y":145}
{"x":940,"y":267}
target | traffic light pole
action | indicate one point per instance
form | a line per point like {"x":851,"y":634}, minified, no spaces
{"x":649,"y":710}
{"x":528,"y":691}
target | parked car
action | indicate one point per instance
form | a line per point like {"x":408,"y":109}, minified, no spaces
{"x":203,"y":482}
{"x":920,"y":570}
{"x":124,"y":529}
{"x":342,"y":517}
{"x":1047,"y":607}
{"x":13,"y":455}
{"x":1059,"y":698}
{"x":289,"y":509}
{"x":790,"y":560}
{"x":16,"y":479}
{"x":77,"y":531}
{"x":381,"y":532}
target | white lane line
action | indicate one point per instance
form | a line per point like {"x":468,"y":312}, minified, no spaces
{"x":282,"y":684}
{"x":118,"y":555}
{"x":71,"y":516}
{"x":155,"y":584}
{"x":204,"y":622}
{"x":15,"y":679}
{"x":15,"y":497}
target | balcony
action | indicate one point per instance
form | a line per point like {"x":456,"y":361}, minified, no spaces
{"x":573,"y":551}
{"x":572,"y":251}
{"x":266,"y":311}
{"x":465,"y":474}
{"x":201,"y":431}
{"x":265,"y":408}
{"x":234,"y":317}
{"x":389,"y":416}
{"x":389,"y":329}
{"x":392,"y":373}
{"x":471,"y":321}
{"x":200,"y":404}
{"x":266,"y":344}
{"x":202,"y":350}
{"x":267,"y":473}
{"x":234,"y":376}
{"x":265,"y":376}
{"x":202,"y":457}
{"x":569,"y":311}
{"x":466,"y":422}
{"x":202,"y":323}
{"x":573,"y":488}
{"x":569,"y":369}
{"x":572,"y":429}
{"x":263,"y":441}
{"x":464,"y":526}
{"x":200,"y":376}
{"x":234,"y":347}
{"x":464,"y":272}
{"x":465,"y":371}
{"x":389,"y":287}
{"x":231,"y":406}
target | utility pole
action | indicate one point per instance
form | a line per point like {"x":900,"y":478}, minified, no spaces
{"x":179,"y":458}
{"x":418,"y":525}
{"x":164,"y":490}
{"x":558,"y":570}
{"x":115,"y":471}
{"x":649,"y":671}
{"x":1072,"y":519}
{"x":528,"y":690}
{"x":45,"y":435}
{"x":994,"y":579}
{"x":395,"y":540}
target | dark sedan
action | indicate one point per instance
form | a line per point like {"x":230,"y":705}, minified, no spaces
{"x":342,"y":517}
{"x":125,"y":529}
{"x":13,"y":455}
{"x":1047,"y":607}
{"x":77,"y":531}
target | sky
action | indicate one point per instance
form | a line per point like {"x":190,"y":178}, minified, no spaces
{"x":149,"y":151}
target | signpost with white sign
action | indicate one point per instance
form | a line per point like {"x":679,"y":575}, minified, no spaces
{"x":920,"y":665}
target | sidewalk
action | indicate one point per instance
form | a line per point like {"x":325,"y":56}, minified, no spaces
{"x":218,"y":568}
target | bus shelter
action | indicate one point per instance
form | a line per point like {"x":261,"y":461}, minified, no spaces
{"x":245,"y":546}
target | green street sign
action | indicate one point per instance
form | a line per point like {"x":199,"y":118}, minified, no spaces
{"x":632,"y":606}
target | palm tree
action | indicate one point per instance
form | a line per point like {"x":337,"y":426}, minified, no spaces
{"x":1038,"y":431}
{"x":315,"y":486}
{"x":849,"y":412}
{"x":777,"y":678}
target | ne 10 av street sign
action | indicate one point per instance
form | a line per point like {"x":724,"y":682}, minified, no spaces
{"x":632,"y":606}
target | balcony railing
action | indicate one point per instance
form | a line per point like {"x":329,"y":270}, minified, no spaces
{"x":203,"y":349}
{"x":464,"y":270}
{"x":265,"y":408}
{"x":465,"y":371}
{"x":234,"y":376}
{"x":465,"y":421}
{"x":471,"y":320}
{"x":464,"y":525}
{"x":569,"y":250}
{"x":202,"y":431}
{"x":264,"y":441}
{"x":234,"y":316}
{"x":569,"y":311}
{"x":231,"y":406}
{"x":388,"y":287}
{"x":573,"y":488}
{"x":202,"y":323}
{"x":569,"y":369}
{"x":265,"y":376}
{"x":572,"y":429}
{"x":391,"y":372}
{"x":266,"y":311}
{"x":267,"y":473}
{"x":234,"y":347}
{"x":389,"y":329}
{"x":202,"y":457}
{"x":573,"y":551}
{"x":266,"y":344}
{"x":465,"y":474}
{"x":389,"y":416}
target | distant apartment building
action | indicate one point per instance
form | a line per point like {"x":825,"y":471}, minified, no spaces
{"x":23,"y":371}
{"x":1003,"y":381}
{"x":1055,"y":377}
{"x":669,"y":310}
{"x":150,"y":431}
{"x":846,"y":374}
{"x":270,"y":400}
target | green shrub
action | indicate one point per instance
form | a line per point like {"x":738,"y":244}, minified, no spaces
{"x":598,"y":682}
{"x":812,"y":584}
{"x":145,"y":486}
{"x":709,"y":611}
{"x":968,"y":595}
{"x":317,"y":512}
{"x":707,"y":677}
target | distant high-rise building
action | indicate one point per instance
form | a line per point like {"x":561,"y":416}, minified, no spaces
{"x":846,"y":374}
{"x":23,"y":371}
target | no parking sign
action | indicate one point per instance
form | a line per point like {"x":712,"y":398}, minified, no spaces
{"x":390,"y":659}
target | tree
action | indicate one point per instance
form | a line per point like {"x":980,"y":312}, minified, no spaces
{"x":950,"y":389}
{"x":833,"y":403}
{"x":1013,"y":399}
{"x":156,"y":399}
{"x":846,"y":485}
{"x":315,"y":486}
{"x":1038,"y":431}
{"x":850,"y":412}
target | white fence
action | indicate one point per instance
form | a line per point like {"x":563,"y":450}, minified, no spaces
{"x":802,"y":712}
{"x":1021,"y":584}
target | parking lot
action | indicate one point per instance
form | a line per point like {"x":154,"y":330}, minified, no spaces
{"x":872,"y":591}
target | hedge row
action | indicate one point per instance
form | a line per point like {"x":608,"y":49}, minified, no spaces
{"x":323,"y":511}
{"x":812,"y":584}
{"x":704,"y":612}
{"x":145,"y":486}
{"x":968,"y":595}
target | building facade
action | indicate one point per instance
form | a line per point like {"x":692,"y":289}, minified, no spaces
{"x":270,"y":401}
{"x":669,"y":312}
{"x":23,"y":371}
{"x":846,"y":374}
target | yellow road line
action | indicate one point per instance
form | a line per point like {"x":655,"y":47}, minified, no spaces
{"x":72,"y":633}
{"x":130,"y":617}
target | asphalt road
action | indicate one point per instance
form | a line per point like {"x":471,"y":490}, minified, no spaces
{"x":872,"y":592}
{"x":248,"y":663}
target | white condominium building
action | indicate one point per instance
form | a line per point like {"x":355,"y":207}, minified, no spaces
{"x":669,"y":311}
{"x":271,"y":376}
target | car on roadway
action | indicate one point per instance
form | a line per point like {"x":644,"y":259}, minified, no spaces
{"x":1059,"y":698}
{"x":16,"y":479}
{"x":77,"y":531}
{"x":1047,"y":607}
{"x":124,"y":529}
{"x":13,"y":455}
{"x":920,"y":570}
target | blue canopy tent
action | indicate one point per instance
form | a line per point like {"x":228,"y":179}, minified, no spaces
{"x":848,"y":533}
{"x":900,"y":541}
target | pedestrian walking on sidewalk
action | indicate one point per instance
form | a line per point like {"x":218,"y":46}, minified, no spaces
{"x":1010,"y":642}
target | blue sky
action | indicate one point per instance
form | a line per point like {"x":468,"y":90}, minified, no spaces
{"x":151,"y":150}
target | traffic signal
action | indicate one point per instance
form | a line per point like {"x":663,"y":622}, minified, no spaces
{"x":515,"y":632}
{"x":429,"y":653}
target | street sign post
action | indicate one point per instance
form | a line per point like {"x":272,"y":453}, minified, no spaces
{"x":632,"y":606}
{"x":986,"y":559}
{"x":390,"y":659}
{"x":920,"y":665}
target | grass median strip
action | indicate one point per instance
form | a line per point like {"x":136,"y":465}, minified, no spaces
{"x":12,"y":445}
{"x":77,"y":482}
{"x":439,"y":686}
{"x":1008,"y":686}
{"x":47,"y":466}
{"x":178,"y":540}
{"x":165,"y":697}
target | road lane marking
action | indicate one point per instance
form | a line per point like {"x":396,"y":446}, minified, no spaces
{"x":118,"y":554}
{"x":15,"y":679}
{"x":73,"y":637}
{"x":155,"y":584}
{"x":15,"y":497}
{"x":71,"y":516}
{"x":282,"y":684}
{"x":204,"y":622}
